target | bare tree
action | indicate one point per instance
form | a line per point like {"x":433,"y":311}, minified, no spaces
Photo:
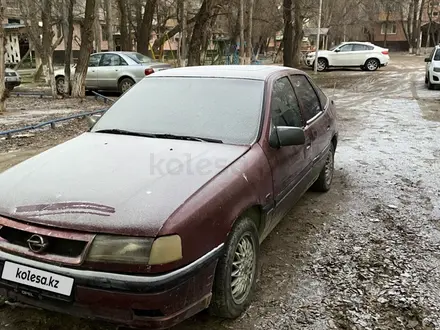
{"x":144,"y":30}
{"x":97,"y":27}
{"x":32,"y":10}
{"x":241,"y":20}
{"x":68,"y":43}
{"x":3,"y":91}
{"x":125,"y":34}
{"x":183,"y":21}
{"x":250,"y":31}
{"x":288,"y":33}
{"x":78,"y":89}
{"x":109,"y":24}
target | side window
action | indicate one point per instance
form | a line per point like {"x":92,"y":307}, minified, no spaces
{"x":358,"y":47}
{"x":307,"y":96}
{"x":437,"y":55}
{"x":112,"y":60}
{"x":322,"y":97}
{"x":370,"y":47}
{"x":284,"y":105}
{"x":346,"y":48}
{"x":94,"y":60}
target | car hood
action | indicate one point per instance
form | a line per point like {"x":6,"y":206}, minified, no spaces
{"x":111,"y":183}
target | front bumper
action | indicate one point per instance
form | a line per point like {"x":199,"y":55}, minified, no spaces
{"x":10,"y":84}
{"x":156,"y":302}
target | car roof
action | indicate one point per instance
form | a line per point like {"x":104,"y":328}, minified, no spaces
{"x":254,"y":72}
{"x":114,"y":52}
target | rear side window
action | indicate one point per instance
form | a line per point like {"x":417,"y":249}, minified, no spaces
{"x":437,"y":55}
{"x":358,"y":47}
{"x":307,"y":96}
{"x":322,"y":97}
{"x":284,"y":105}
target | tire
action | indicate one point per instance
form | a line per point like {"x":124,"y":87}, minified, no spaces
{"x":426,"y":80}
{"x":325,"y":179}
{"x":60,"y":81}
{"x":322,"y":64}
{"x":372,"y":64}
{"x":430,"y":85}
{"x":125,"y":84}
{"x":224,"y":303}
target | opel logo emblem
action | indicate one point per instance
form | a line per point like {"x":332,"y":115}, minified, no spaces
{"x":37,"y":243}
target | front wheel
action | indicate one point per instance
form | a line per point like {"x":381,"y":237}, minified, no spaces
{"x":325,"y":178}
{"x":236,"y":271}
{"x":322,"y":64}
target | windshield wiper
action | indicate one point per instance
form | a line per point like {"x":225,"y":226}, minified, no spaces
{"x":187,"y":138}
{"x":124,"y":132}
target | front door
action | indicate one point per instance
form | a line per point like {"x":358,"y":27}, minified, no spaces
{"x":288,"y":163}
{"x":343,"y":56}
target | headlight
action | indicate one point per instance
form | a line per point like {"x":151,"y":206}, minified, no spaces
{"x":128,"y":250}
{"x":165,"y":250}
{"x":436,"y":69}
{"x":120,"y":249}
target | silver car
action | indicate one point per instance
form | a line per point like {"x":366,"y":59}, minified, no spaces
{"x":12,"y":79}
{"x":114,"y":71}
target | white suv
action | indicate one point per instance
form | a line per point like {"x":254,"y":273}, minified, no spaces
{"x":363,"y":55}
{"x":432,"y":77}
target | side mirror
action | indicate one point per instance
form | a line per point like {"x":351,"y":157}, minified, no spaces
{"x":337,"y":50}
{"x":428,"y":59}
{"x":92,"y":120}
{"x":284,"y":136}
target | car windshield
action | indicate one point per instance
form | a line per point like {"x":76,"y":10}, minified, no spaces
{"x":334,"y":47}
{"x":139,"y":58}
{"x":226,"y":110}
{"x":437,"y":55}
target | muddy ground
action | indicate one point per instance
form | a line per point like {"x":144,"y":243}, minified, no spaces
{"x":363,"y":256}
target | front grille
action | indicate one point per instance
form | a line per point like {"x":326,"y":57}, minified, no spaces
{"x":57,"y":246}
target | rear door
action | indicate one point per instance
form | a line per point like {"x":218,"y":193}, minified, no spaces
{"x":109,"y":71}
{"x":92,"y":71}
{"x":361,"y":53}
{"x":317,"y":125}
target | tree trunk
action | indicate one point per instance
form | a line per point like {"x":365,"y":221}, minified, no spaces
{"x":298,"y":35}
{"x":3,"y":92}
{"x":249,"y":34}
{"x":109,"y":24}
{"x":78,"y":89}
{"x":97,"y":28}
{"x":143,"y":42}
{"x":183,"y":22}
{"x":419,"y":27}
{"x":68,"y":42}
{"x":288,"y":33}
{"x":125,"y":38}
{"x":201,"y":22}
{"x":241,"y":27}
{"x":387,"y":20}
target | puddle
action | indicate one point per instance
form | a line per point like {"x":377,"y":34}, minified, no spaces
{"x":430,"y":109}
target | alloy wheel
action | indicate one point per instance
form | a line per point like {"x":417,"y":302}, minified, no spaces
{"x":329,"y":169}
{"x":243,"y":269}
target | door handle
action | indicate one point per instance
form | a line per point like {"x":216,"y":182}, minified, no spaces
{"x":328,"y":128}
{"x":308,"y":146}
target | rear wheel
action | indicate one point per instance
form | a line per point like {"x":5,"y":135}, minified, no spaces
{"x":372,"y":64}
{"x":236,"y":271}
{"x":60,"y":85}
{"x":125,"y":84}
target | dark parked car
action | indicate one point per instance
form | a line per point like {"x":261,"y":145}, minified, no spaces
{"x":158,"y":211}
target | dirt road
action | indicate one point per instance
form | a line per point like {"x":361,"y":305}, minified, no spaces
{"x":366,"y":254}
